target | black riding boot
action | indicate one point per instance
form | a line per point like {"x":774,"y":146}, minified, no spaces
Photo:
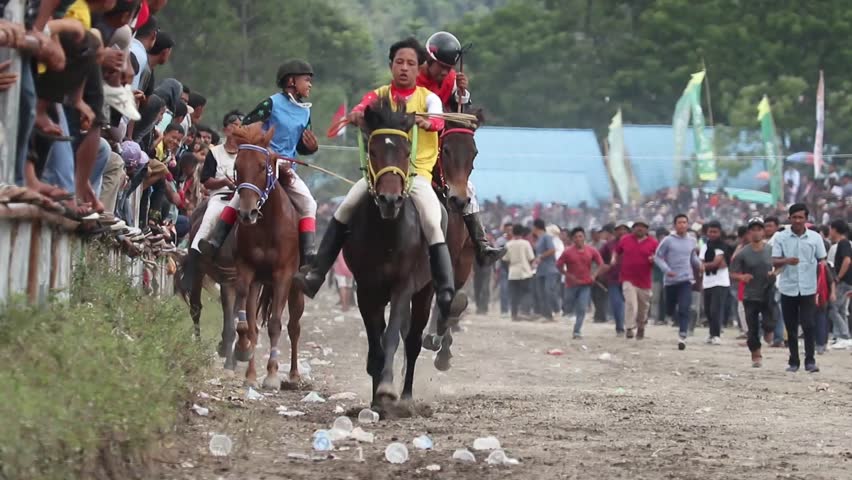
{"x":311,"y":281}
{"x":442,"y":277}
{"x":190,"y":269}
{"x":485,"y":253}
{"x":210,"y":246}
{"x":307,"y":248}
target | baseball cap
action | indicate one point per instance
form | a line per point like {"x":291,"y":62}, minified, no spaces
{"x":755,"y":221}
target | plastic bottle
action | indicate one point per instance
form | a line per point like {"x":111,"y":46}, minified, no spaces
{"x":396,"y":453}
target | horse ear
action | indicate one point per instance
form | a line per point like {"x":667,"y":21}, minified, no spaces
{"x":371,"y":118}
{"x":408,"y":122}
{"x":267,"y":138}
{"x":480,"y":116}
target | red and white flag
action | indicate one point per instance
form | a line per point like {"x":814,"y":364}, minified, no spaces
{"x":820,"y":126}
{"x":338,"y":117}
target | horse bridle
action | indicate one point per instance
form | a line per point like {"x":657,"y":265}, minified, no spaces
{"x":372,"y":176}
{"x":463,"y":131}
{"x":271,"y":176}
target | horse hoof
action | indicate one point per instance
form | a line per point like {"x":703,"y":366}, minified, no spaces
{"x":432,"y":342}
{"x":385,"y":393}
{"x":442,"y":360}
{"x":272,"y":382}
{"x":243,"y":355}
{"x":229,"y":372}
{"x":459,"y":304}
{"x":250,"y":383}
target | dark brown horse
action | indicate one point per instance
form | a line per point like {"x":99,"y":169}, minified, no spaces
{"x":222,"y":271}
{"x":388,"y":254}
{"x":455,"y":164}
{"x":266,"y":254}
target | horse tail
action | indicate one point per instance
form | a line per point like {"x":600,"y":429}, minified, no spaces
{"x":264,"y":305}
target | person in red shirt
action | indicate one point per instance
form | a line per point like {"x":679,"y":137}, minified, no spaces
{"x":438,"y":74}
{"x":576,"y":265}
{"x":636,"y":254}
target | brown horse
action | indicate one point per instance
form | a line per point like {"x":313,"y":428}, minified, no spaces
{"x":388,"y":254}
{"x":222,"y":271}
{"x":266,"y":255}
{"x":455,"y":164}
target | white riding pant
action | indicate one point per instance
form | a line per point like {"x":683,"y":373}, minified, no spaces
{"x":473,"y":206}
{"x":215,"y":205}
{"x":425,"y":201}
{"x":300,"y":195}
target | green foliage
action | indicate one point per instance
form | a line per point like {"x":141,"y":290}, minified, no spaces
{"x":103,"y":371}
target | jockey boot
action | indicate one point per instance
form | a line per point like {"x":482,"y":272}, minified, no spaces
{"x":307,"y":248}
{"x":485,"y":253}
{"x":190,"y":270}
{"x":442,"y":277}
{"x":210,"y":246}
{"x":311,"y":281}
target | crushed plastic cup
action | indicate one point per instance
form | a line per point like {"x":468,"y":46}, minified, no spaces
{"x":367,"y":416}
{"x":201,"y":411}
{"x":396,"y":453}
{"x":344,"y":396}
{"x":605,"y":357}
{"x":336,"y":435}
{"x":423,"y":442}
{"x":313,"y":397}
{"x":464,"y":455}
{"x":282,"y":410}
{"x":318,"y":362}
{"x":359,"y":435}
{"x":555,"y":352}
{"x":339,"y":409}
{"x":253,"y":394}
{"x":433,"y":468}
{"x":343,"y":423}
{"x":220,"y":445}
{"x":499,"y":457}
{"x":322,"y":442}
{"x":486,"y":443}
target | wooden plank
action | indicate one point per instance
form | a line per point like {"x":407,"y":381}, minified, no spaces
{"x":63,"y":260}
{"x":5,"y":258}
{"x":20,"y":258}
{"x":43,"y":263}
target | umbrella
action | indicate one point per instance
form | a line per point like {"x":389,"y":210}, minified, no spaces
{"x":746,"y":195}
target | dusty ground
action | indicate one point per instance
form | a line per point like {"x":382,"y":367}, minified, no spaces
{"x":649,"y":412}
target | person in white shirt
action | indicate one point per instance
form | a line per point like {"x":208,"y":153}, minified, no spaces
{"x":519,"y":257}
{"x":717,"y":283}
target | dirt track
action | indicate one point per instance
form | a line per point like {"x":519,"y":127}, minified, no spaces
{"x":648,"y":412}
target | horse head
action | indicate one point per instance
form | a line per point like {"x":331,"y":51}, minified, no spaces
{"x":256,"y":170}
{"x":458,"y":150}
{"x":388,"y":155}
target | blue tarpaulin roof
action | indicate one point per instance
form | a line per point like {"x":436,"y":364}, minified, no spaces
{"x":524,"y":165}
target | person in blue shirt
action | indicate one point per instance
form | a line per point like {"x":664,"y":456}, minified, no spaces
{"x":290,"y":116}
{"x":797,"y":251}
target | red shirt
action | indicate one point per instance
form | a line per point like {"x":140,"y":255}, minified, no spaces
{"x":577,"y":265}
{"x":635,"y":266}
{"x":444,"y":91}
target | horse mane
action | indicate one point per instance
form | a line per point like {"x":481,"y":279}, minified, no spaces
{"x":254,"y":134}
{"x":478,"y":112}
{"x":381,"y":114}
{"x":250,"y":134}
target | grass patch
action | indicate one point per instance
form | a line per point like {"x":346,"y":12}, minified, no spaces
{"x":91,"y":383}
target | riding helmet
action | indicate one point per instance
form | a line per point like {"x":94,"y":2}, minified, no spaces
{"x":444,"y":47}
{"x":293,"y":67}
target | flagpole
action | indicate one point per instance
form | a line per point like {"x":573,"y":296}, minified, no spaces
{"x":707,"y":92}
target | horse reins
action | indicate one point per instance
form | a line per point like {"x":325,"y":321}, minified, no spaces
{"x":462,"y":131}
{"x":271,"y":176}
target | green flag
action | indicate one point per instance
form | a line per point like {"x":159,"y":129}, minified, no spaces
{"x":690,"y":104}
{"x":770,"y":142}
